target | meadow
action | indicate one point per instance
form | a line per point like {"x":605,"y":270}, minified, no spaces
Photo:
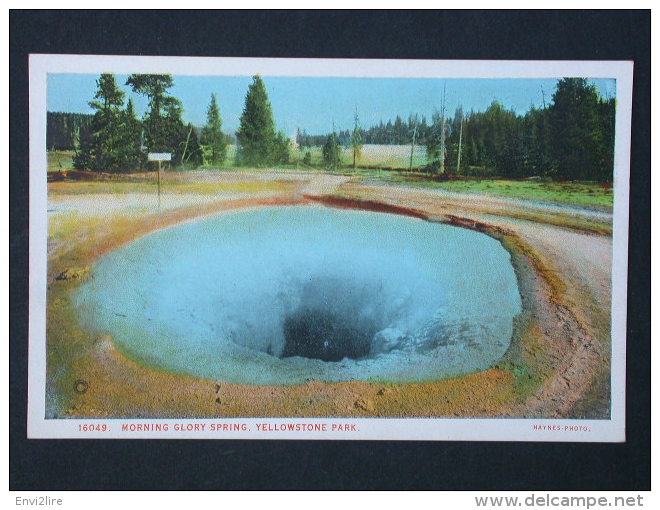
{"x":376,"y":163}
{"x":60,"y":160}
{"x":383,"y":156}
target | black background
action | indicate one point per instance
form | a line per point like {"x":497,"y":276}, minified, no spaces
{"x":177,"y":464}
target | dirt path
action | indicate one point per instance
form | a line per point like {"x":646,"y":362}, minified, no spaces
{"x":321,"y":185}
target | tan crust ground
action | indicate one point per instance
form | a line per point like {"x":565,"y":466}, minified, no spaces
{"x":557,"y":365}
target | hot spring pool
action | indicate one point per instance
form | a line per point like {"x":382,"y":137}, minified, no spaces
{"x":285,"y":295}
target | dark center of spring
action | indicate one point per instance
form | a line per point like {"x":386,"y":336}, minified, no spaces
{"x":328,"y":336}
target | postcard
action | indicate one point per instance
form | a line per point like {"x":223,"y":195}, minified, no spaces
{"x":249,"y":248}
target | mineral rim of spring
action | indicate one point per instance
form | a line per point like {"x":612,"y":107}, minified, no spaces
{"x":285,"y":295}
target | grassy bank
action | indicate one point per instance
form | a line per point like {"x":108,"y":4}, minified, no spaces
{"x":60,"y":160}
{"x":578,"y":194}
{"x":591,"y":195}
{"x":385,"y":156}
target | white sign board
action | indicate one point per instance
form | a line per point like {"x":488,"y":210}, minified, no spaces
{"x":160,"y":156}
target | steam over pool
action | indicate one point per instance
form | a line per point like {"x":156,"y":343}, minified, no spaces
{"x":287,"y":294}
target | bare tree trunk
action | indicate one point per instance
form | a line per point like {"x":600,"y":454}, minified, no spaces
{"x":412,"y":145}
{"x":185,"y":147}
{"x":460,"y":145}
{"x":441,"y":169}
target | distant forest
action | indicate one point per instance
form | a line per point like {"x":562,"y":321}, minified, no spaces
{"x":64,"y":130}
{"x":571,"y":138}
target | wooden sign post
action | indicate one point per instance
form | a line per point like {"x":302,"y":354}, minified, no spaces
{"x":159,"y":156}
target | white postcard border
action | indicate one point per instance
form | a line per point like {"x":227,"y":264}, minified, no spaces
{"x":473,"y":429}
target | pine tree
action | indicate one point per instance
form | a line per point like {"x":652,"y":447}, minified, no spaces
{"x":356,"y":139}
{"x":575,"y":129}
{"x":212,"y":136}
{"x":281,"y":149}
{"x":163,"y":127}
{"x":542,"y":163}
{"x":64,"y":130}
{"x":175,"y":134}
{"x":130,"y":154}
{"x":104,"y":150}
{"x":332,"y":152}
{"x":82,"y":159}
{"x":434,"y":149}
{"x":256,"y":136}
{"x":605,"y":139}
{"x":191,"y":154}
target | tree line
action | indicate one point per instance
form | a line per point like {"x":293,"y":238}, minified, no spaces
{"x":571,"y":138}
{"x":64,"y":130}
{"x":114,"y":139}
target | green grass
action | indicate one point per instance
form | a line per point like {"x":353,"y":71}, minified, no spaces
{"x":60,"y":160}
{"x":566,"y":193}
{"x":395,"y":156}
{"x":594,"y":195}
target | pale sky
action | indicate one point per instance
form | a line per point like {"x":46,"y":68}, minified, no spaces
{"x":314,"y":104}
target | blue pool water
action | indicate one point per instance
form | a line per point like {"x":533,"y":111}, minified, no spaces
{"x":284,"y":295}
